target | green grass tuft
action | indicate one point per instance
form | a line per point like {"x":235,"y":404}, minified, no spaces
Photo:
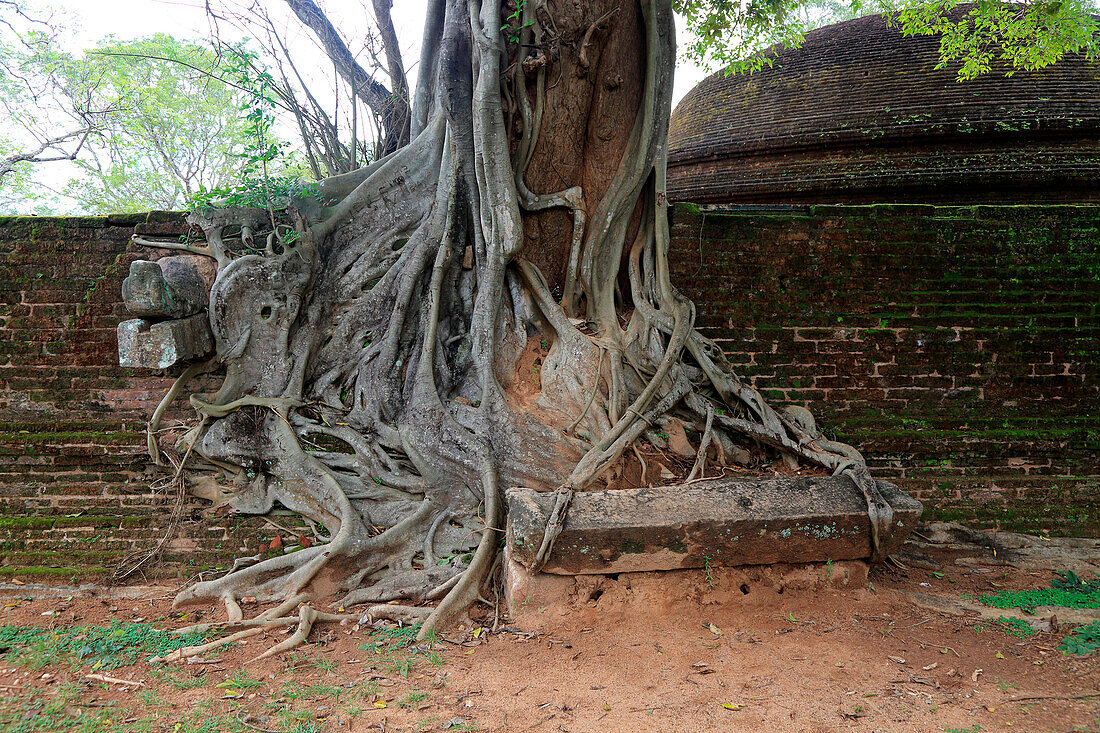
{"x":100,"y":647}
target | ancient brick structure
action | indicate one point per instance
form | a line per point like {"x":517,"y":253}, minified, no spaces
{"x":75,"y":497}
{"x":955,"y":345}
{"x":859,"y":114}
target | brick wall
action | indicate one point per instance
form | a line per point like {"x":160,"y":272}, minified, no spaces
{"x":956,"y":346}
{"x":75,"y":496}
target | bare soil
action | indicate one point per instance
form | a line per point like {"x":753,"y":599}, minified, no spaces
{"x":683,"y":651}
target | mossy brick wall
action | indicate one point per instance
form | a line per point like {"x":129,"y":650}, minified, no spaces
{"x":956,"y":346}
{"x":75,"y":496}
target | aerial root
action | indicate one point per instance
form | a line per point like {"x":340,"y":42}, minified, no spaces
{"x":563,"y":496}
{"x":704,"y":444}
{"x":467,"y":588}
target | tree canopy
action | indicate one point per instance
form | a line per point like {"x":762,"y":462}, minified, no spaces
{"x":169,"y":127}
{"x":975,"y":38}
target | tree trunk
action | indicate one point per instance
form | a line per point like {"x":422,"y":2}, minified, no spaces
{"x":489,"y":306}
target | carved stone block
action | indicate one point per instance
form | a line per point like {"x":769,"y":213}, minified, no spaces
{"x":147,"y":345}
{"x":171,"y":287}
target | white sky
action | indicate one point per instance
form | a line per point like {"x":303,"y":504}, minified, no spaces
{"x":92,"y":20}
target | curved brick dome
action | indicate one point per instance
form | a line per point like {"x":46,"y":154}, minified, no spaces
{"x":859,"y":114}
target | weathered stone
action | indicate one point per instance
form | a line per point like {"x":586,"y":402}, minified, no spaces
{"x":147,"y":345}
{"x":171,"y":287}
{"x":716,"y":523}
{"x":545,"y":601}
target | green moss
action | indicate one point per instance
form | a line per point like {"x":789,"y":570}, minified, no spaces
{"x":17,"y":522}
{"x":31,"y":571}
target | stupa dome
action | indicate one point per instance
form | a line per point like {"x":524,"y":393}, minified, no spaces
{"x":860,"y":114}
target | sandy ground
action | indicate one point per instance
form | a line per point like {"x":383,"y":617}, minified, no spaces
{"x":685,"y":651}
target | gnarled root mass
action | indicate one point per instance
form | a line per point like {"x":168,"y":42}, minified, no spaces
{"x":428,"y":329}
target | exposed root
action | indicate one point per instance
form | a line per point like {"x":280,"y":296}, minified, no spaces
{"x":404,"y":614}
{"x":191,"y":651}
{"x":466,"y":590}
{"x":306,"y":617}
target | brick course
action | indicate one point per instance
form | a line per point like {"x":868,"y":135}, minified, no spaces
{"x":75,"y":496}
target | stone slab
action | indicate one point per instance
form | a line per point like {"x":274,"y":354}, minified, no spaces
{"x":715,"y":523}
{"x":146,"y":345}
{"x":171,"y":287}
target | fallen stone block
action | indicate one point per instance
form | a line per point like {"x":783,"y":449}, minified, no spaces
{"x":725,"y":522}
{"x":171,"y":287}
{"x":145,"y":345}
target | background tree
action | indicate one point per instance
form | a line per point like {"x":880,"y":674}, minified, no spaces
{"x":48,"y":110}
{"x":172,"y":127}
{"x":488,"y":306}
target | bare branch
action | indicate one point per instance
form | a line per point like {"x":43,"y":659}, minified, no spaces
{"x":391,"y":109}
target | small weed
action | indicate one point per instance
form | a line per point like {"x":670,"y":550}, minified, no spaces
{"x":1006,"y":686}
{"x":1083,"y":641}
{"x":828,"y":569}
{"x":398,"y":664}
{"x":1016,"y":627}
{"x":465,"y":726}
{"x":239,"y":682}
{"x":171,"y":676}
{"x":326,"y":665}
{"x":1066,"y":591}
{"x":150,"y":698}
{"x":706,"y":571}
{"x":321,"y":691}
{"x":973,"y":729}
{"x":292,"y":691}
{"x":412,"y":698}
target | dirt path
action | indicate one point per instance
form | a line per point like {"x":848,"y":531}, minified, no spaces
{"x":673,"y":652}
